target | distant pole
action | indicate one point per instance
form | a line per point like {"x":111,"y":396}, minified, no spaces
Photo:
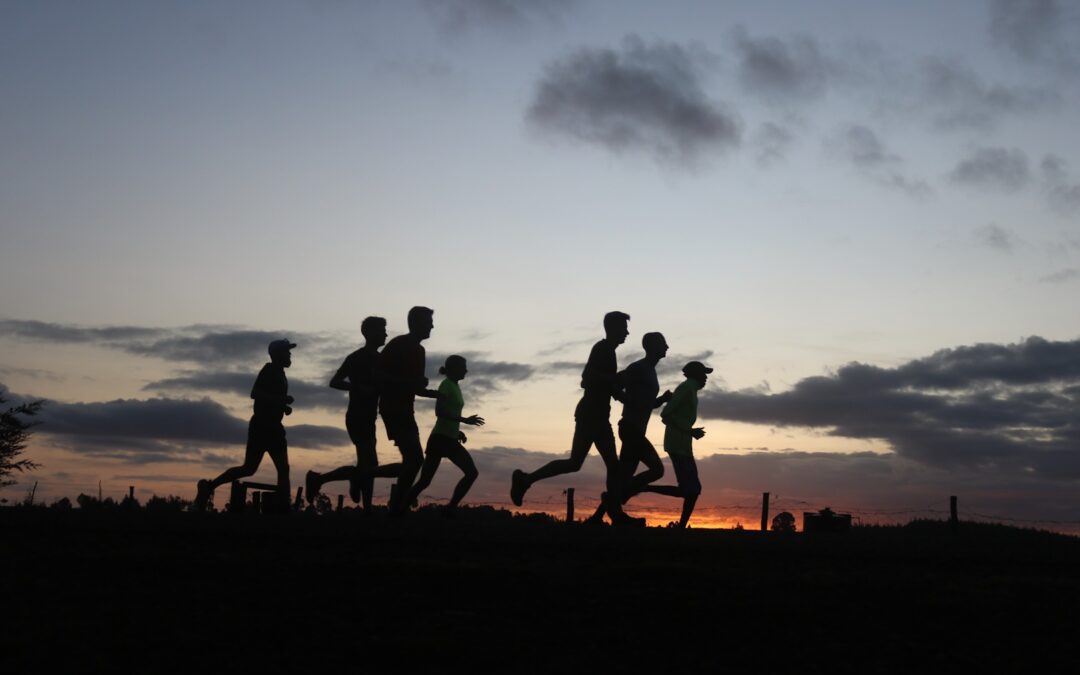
{"x":340,"y":502}
{"x":299,"y":497}
{"x":131,"y":492}
{"x":954,"y":519}
{"x":764,"y":511}
{"x":237,"y":497}
{"x":99,"y":491}
{"x":569,"y":505}
{"x":33,"y":493}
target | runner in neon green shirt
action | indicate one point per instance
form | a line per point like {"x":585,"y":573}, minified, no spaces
{"x":679,"y":416}
{"x":446,"y":438}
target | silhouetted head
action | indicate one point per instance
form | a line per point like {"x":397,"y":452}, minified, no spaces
{"x":373,"y":329}
{"x":279,"y":352}
{"x":655,"y":345}
{"x":421,"y":321}
{"x":615,"y":326}
{"x":455,"y":368}
{"x":697,"y":371}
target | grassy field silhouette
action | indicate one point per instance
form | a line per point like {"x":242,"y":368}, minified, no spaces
{"x":490,"y":591}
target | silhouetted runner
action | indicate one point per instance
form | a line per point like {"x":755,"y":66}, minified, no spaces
{"x":357,"y":376}
{"x":679,"y":416}
{"x":266,"y":434}
{"x":592,"y":422}
{"x":641,"y":387}
{"x":399,"y":375}
{"x":447,"y":438}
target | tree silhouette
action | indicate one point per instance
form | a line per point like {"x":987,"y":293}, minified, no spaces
{"x":783,"y":522}
{"x":14,"y":434}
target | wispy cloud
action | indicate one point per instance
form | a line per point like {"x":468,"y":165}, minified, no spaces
{"x":1004,"y":169}
{"x":515,"y":17}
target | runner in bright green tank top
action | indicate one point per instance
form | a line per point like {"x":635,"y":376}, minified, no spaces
{"x":447,"y":438}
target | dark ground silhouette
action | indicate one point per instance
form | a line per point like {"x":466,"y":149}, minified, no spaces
{"x":162,"y":590}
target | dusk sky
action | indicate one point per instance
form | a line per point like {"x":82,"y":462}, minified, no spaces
{"x":864,"y":215}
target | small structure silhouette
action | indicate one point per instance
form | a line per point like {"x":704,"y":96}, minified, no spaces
{"x":826,"y":520}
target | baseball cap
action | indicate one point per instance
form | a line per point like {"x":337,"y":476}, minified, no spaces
{"x":696,"y":367}
{"x":282,"y":345}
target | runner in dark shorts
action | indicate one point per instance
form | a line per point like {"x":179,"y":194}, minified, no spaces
{"x":592,"y":425}
{"x":266,"y":434}
{"x":641,"y":387}
{"x":357,"y":376}
{"x":399,"y":376}
{"x":447,"y":440}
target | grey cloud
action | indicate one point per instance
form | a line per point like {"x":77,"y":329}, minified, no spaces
{"x":1064,"y":197}
{"x":216,"y":346}
{"x":996,"y":237}
{"x":159,"y":429}
{"x":771,"y":143}
{"x":53,"y":332}
{"x":1015,"y":408}
{"x":1054,"y":168}
{"x":781,"y":69}
{"x":1043,"y":32}
{"x":964,"y":100}
{"x":642,"y":97}
{"x":514,"y":16}
{"x":195,"y":344}
{"x":993,"y":169}
{"x":861,"y":146}
{"x":484,"y":375}
{"x":1061,"y":276}
{"x":307,"y":394}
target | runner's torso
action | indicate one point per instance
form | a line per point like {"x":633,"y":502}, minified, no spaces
{"x":642,"y":387}
{"x":598,"y":381}
{"x":271,"y":381}
{"x":402,"y":365}
{"x":359,"y":367}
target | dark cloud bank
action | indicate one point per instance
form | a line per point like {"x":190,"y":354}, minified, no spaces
{"x":1011,"y":409}
{"x":219,"y":354}
{"x":158,"y":429}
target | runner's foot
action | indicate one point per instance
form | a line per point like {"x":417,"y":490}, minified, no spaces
{"x":622,"y":519}
{"x":517,"y":487}
{"x":203,"y":493}
{"x":311,"y":486}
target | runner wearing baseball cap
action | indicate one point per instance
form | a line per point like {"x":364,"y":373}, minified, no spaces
{"x":266,"y":434}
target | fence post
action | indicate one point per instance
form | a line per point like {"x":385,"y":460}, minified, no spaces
{"x":299,"y":498}
{"x":764,"y":511}
{"x":569,"y":505}
{"x":237,"y":497}
{"x":340,"y":502}
{"x":131,"y":492}
{"x":954,"y":520}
